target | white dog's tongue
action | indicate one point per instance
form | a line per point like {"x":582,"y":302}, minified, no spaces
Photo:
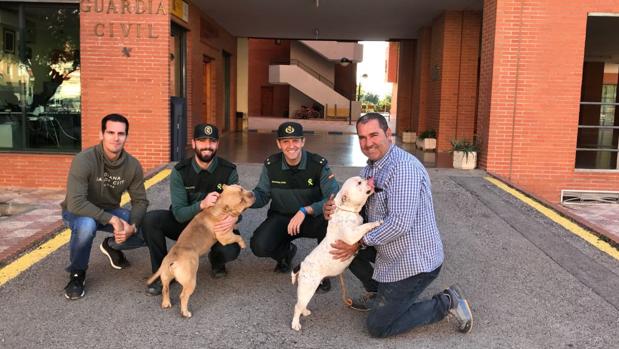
{"x":371,"y":182}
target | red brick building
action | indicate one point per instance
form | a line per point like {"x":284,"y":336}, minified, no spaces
{"x":534,"y":81}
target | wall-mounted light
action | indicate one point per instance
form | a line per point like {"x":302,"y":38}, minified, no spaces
{"x":316,"y":32}
{"x":278,"y":41}
{"x":344,"y":62}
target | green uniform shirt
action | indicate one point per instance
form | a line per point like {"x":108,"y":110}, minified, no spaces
{"x":294,"y":199}
{"x":182,"y":209}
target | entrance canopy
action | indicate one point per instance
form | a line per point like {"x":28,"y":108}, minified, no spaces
{"x":329,"y":19}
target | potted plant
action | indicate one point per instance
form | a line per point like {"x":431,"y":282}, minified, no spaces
{"x":409,"y":136}
{"x":427,"y":140}
{"x":464,"y":154}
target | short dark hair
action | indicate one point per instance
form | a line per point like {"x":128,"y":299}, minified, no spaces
{"x":116,"y":118}
{"x":382,"y":122}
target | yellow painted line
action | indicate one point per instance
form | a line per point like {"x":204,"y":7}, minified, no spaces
{"x":579,"y":231}
{"x":29,"y":259}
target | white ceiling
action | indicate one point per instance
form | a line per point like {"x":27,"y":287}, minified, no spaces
{"x":335,"y":19}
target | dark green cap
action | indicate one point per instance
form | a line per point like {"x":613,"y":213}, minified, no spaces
{"x":205,"y":131}
{"x":290,"y":130}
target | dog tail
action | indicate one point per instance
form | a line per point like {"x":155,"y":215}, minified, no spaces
{"x":154,"y":277}
{"x":294,"y":274}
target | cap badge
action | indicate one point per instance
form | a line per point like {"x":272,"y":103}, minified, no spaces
{"x":208,"y":130}
{"x":289,"y":130}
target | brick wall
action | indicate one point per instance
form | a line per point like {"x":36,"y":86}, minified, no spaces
{"x":208,"y":45}
{"x":34,"y":170}
{"x":263,"y":52}
{"x":406,"y":72}
{"x":392,"y":62}
{"x":421,"y":87}
{"x":112,"y":82}
{"x":532,"y":65}
{"x":453,"y":76}
{"x":136,"y":86}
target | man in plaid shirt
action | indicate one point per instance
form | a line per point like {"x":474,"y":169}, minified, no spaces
{"x":406,"y":249}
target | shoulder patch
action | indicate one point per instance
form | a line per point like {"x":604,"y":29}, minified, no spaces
{"x":319,"y":159}
{"x":226,"y":163}
{"x":272,"y":159}
{"x":182,"y":164}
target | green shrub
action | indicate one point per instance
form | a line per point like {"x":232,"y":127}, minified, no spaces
{"x":427,"y":134}
{"x":464,"y":145}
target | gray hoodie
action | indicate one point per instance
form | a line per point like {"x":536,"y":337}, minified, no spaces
{"x":96,"y":183}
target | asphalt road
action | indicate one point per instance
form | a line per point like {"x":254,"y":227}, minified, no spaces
{"x":531,"y":284}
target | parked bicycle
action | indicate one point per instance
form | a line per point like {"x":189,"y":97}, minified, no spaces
{"x":306,"y":113}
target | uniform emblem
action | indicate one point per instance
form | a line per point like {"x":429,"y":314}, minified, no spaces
{"x":208,"y":130}
{"x":310,"y":182}
{"x":289,"y":130}
{"x":219,"y":187}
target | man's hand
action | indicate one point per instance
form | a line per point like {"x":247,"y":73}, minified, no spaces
{"x":222,"y":227}
{"x":342,"y":251}
{"x":209,"y":200}
{"x":294,"y":227}
{"x":119,"y":225}
{"x":328,"y":208}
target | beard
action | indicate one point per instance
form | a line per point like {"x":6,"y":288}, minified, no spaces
{"x":205,"y":158}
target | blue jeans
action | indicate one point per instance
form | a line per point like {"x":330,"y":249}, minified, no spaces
{"x":83,"y":231}
{"x":396,"y":309}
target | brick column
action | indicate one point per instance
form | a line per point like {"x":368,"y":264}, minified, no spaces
{"x":125,"y":69}
{"x":406,"y":71}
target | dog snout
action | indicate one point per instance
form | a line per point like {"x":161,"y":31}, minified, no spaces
{"x":251,"y":197}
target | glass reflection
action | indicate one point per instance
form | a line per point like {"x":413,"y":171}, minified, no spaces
{"x":40,"y":105}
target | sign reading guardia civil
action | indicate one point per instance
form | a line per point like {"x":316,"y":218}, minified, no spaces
{"x":124,"y":7}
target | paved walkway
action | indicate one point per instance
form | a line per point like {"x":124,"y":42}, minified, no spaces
{"x":531,"y":284}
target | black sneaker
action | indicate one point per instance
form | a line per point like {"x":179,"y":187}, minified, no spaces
{"x":154,"y":289}
{"x":116,"y":257}
{"x":459,"y":308}
{"x":284,"y":265}
{"x":75,"y":288}
{"x":218,"y":271}
{"x":365,"y":302}
{"x":325,"y":286}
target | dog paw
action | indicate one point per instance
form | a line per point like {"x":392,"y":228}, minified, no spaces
{"x":166,"y":305}
{"x":242,"y":243}
{"x":296,"y":325}
{"x":306,"y":312}
{"x":186,"y":314}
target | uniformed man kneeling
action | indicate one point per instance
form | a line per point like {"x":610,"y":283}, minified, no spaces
{"x":195,"y":184}
{"x":298,"y":183}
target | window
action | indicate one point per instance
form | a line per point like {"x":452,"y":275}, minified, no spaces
{"x":40,"y":104}
{"x":598,"y":125}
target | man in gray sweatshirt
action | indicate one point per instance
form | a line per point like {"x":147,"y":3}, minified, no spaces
{"x":97,"y":179}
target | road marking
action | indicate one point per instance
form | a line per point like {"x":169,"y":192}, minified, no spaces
{"x":31,"y":258}
{"x":579,"y":231}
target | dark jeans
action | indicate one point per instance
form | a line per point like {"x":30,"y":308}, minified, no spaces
{"x":361,"y":267}
{"x":159,"y":224}
{"x":271,"y":238}
{"x":396,"y":309}
{"x":83,"y":231}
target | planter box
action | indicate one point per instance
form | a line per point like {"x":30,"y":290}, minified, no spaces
{"x":464,"y":161}
{"x":409,"y":137}
{"x":426,"y":144}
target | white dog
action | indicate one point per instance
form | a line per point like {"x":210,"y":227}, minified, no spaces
{"x":346,"y":225}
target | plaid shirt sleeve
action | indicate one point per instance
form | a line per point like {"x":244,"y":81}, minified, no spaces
{"x":402,"y":204}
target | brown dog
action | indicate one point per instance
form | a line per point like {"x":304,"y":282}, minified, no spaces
{"x":181,"y":262}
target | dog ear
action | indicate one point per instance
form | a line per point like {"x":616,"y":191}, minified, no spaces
{"x":340,"y":199}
